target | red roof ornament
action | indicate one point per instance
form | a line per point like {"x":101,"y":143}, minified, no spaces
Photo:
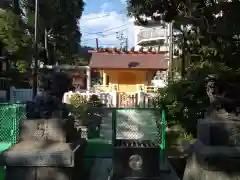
{"x":124,"y":51}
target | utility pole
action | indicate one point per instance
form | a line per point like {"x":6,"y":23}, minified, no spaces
{"x":186,"y":58}
{"x":189,"y":14}
{"x":126,"y":43}
{"x":46,"y":43}
{"x":123,"y":40}
{"x":97,"y":44}
{"x":35,"y":68}
{"x":171,"y":49}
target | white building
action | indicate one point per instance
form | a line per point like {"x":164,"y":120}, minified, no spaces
{"x":153,"y":34}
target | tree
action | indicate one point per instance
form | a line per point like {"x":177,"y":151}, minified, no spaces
{"x":84,"y":55}
{"x":58,"y":24}
{"x":15,"y":38}
{"x":59,"y":18}
{"x":214,"y":30}
{"x":209,"y":33}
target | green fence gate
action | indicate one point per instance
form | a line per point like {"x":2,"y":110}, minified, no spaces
{"x":10,"y":116}
{"x":123,"y":123}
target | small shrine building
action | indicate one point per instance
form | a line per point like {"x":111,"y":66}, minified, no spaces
{"x":127,"y":71}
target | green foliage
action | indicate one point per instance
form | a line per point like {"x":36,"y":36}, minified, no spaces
{"x":76,"y":100}
{"x":208,"y":31}
{"x":208,"y":42}
{"x":188,"y":137}
{"x":86,"y":112}
{"x":60,"y":19}
{"x":13,"y":36}
{"x":186,"y":100}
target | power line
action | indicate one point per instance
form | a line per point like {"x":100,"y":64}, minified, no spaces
{"x":123,"y":39}
{"x":100,"y":32}
{"x":107,"y":14}
{"x":100,"y":36}
{"x":104,"y":44}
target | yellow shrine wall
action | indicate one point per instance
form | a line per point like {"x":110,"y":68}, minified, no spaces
{"x":127,"y":80}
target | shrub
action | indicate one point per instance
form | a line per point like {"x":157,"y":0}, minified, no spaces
{"x":86,"y":112}
{"x":185,"y":100}
{"x":76,"y":100}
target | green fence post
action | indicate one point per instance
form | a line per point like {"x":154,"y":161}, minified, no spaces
{"x":114,"y":125}
{"x":163,"y":144}
{"x":164,"y":126}
{"x":10,"y":116}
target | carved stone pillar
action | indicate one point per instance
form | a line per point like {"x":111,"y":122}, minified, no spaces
{"x":104,"y":79}
{"x":88,"y":78}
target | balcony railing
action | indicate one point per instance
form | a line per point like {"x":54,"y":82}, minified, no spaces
{"x":107,"y":88}
{"x":151,"y":34}
{"x":101,"y":88}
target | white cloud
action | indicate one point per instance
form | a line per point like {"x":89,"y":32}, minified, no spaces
{"x":107,"y":23}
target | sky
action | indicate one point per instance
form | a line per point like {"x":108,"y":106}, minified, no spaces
{"x":104,"y":19}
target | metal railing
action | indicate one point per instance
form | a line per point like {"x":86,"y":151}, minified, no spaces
{"x":150,"y":89}
{"x":102,"y":88}
{"x":10,"y":116}
{"x":145,"y":34}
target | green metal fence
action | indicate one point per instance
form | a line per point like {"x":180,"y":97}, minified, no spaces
{"x":116,"y":123}
{"x":10,"y":116}
{"x":119,"y":123}
{"x":139,"y":123}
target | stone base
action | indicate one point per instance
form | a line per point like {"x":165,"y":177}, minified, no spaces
{"x":195,"y":171}
{"x":39,"y":153}
{"x":212,"y":163}
{"x":43,"y":160}
{"x":38,"y":173}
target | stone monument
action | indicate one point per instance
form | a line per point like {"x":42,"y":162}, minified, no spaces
{"x":216,"y":152}
{"x":47,"y":148}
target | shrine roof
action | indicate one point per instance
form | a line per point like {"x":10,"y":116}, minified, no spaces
{"x":126,"y":60}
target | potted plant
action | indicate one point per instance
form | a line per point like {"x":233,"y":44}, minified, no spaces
{"x":106,"y":49}
{"x":109,"y":50}
{"x":95,"y":110}
{"x":132,"y":50}
{"x":117,"y":50}
{"x":177,"y":138}
{"x":87,"y":114}
{"x":150,"y":49}
{"x":124,"y":49}
{"x":101,"y":50}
